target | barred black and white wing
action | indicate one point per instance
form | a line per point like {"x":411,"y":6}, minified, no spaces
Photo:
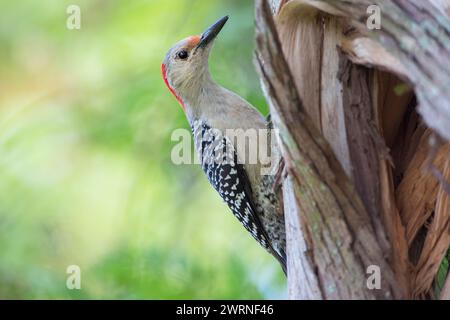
{"x":220,"y":163}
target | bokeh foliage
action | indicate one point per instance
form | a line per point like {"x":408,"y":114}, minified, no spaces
{"x":85,"y":171}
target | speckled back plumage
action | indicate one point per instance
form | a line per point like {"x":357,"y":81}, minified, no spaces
{"x":258,"y":210}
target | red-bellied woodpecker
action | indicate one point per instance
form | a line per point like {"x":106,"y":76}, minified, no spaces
{"x":219,"y":119}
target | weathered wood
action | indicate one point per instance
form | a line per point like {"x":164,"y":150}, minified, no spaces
{"x":334,"y":220}
{"x":361,"y":114}
{"x":336,"y":95}
{"x":384,"y":101}
{"x":301,"y":35}
{"x":365,"y":142}
{"x":307,"y":36}
{"x":331,"y":95}
{"x":418,"y":34}
{"x":416,"y":194}
{"x":300,"y":265}
{"x":436,"y":242}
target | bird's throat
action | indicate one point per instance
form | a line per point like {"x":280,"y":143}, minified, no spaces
{"x":164,"y":73}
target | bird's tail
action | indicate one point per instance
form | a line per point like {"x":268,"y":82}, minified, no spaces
{"x":281,"y":257}
{"x":269,"y":122}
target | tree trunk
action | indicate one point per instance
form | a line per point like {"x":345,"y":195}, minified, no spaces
{"x":345,"y":105}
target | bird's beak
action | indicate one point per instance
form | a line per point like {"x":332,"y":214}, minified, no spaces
{"x":210,"y":34}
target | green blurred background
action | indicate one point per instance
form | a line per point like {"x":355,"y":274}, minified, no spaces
{"x":85,"y":171}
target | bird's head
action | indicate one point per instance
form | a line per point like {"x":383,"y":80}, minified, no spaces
{"x":185,"y":67}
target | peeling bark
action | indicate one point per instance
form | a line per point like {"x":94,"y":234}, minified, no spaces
{"x":334,"y":220}
{"x":360,"y":185}
{"x":418,"y":34}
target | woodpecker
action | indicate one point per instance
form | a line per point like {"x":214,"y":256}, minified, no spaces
{"x":213,"y":113}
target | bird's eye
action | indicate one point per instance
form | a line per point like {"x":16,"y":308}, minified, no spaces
{"x":183,"y":54}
